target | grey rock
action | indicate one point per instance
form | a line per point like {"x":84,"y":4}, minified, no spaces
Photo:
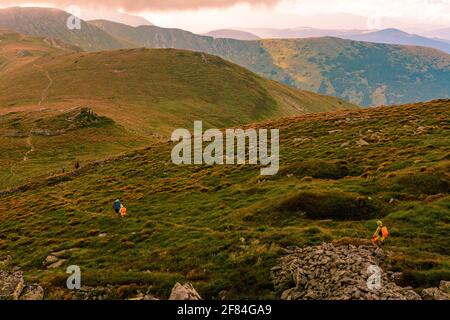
{"x":32,"y":292}
{"x":336,"y":273}
{"x":434,"y":294}
{"x":184,"y":292}
{"x":11,"y":285}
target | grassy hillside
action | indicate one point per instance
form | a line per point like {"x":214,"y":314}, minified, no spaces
{"x":17,"y":50}
{"x":44,"y":143}
{"x":158,"y":90}
{"x":361,"y":72}
{"x":147,"y":93}
{"x":223,"y":227}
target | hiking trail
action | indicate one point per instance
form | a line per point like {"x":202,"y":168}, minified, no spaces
{"x":50,"y":83}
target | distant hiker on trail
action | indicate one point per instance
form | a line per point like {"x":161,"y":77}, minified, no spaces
{"x":119,"y":209}
{"x":77,"y":165}
{"x":380,"y":234}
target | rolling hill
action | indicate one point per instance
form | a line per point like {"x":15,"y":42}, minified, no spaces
{"x":146,"y":93}
{"x":17,"y":50}
{"x":363,"y":73}
{"x":224,"y":227}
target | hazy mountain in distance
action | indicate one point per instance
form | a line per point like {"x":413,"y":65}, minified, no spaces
{"x":52,"y":23}
{"x":443,"y":34}
{"x":125,"y":18}
{"x":395,"y":36}
{"x":232,"y":34}
{"x":301,"y":32}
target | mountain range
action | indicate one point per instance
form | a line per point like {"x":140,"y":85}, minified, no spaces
{"x":232,"y":34}
{"x":365,"y":73}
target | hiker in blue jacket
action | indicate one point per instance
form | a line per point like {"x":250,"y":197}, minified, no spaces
{"x":117,"y":207}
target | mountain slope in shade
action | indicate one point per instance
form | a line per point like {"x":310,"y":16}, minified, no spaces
{"x":395,"y":36}
{"x":232,"y":34}
{"x":52,"y":23}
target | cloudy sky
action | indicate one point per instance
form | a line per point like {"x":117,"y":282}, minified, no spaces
{"x":206,"y":15}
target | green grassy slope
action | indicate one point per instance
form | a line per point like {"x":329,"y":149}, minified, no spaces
{"x":17,"y":50}
{"x":44,"y":143}
{"x":222,"y":227}
{"x":159,"y":90}
{"x":147,"y":93}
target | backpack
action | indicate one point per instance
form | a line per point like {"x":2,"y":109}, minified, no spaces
{"x":384,"y":232}
{"x":117,"y":206}
{"x":123,"y":211}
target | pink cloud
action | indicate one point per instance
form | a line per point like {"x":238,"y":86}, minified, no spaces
{"x":143,"y":5}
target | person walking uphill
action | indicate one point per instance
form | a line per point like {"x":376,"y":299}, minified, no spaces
{"x":380,"y":234}
{"x":119,"y":209}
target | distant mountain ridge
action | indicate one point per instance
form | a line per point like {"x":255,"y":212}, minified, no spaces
{"x":232,"y":34}
{"x":396,"y":36}
{"x":365,"y":73}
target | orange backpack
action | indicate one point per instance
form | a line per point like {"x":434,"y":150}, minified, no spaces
{"x":123,"y":211}
{"x":384,"y":232}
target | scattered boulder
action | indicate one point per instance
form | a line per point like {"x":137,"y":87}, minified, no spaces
{"x":362,"y":143}
{"x":53,"y":261}
{"x":144,"y":297}
{"x":184,"y":292}
{"x":336,"y":273}
{"x":13,"y":287}
{"x":32,"y":292}
{"x":434,"y":294}
{"x":444,"y":286}
{"x":5,"y":260}
{"x":56,"y":264}
{"x":49,"y":260}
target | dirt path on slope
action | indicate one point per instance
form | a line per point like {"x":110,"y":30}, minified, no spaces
{"x":50,"y":83}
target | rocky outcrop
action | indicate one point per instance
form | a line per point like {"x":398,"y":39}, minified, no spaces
{"x":338,"y":273}
{"x":13,"y":287}
{"x":184,"y":292}
{"x":441,"y":293}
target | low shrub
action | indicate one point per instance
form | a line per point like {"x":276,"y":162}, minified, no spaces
{"x":317,"y":169}
{"x":325,"y":205}
{"x":428,"y":183}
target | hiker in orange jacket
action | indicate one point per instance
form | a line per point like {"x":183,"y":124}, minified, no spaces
{"x":380,"y":234}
